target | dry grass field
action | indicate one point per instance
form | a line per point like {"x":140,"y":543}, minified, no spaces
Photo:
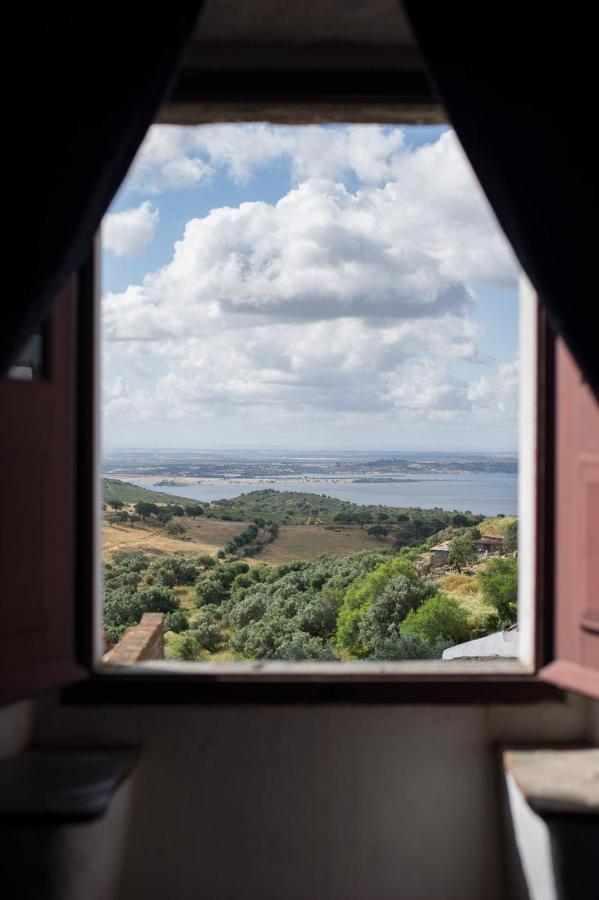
{"x":201,"y":536}
{"x":210,"y":535}
{"x":311,"y":541}
{"x":496,"y":525}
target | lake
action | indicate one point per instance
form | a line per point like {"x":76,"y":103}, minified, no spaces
{"x":485,"y":494}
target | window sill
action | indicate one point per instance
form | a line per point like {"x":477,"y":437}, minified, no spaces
{"x":157,"y":683}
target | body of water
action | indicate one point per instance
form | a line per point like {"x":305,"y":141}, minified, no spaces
{"x":485,"y":494}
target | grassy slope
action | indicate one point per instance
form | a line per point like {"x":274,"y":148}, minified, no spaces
{"x":496,"y":525}
{"x":113,"y":489}
{"x":201,"y":536}
{"x":295,"y":508}
{"x":311,"y":541}
{"x":295,"y":541}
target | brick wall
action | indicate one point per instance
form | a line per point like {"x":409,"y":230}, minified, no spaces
{"x":143,"y":641}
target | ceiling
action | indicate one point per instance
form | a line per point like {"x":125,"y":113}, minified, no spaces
{"x":302,"y":61}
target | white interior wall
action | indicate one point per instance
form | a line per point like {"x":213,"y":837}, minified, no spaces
{"x":335,"y":802}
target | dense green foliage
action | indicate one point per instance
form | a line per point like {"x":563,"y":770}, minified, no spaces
{"x":438,"y":618}
{"x":369,"y":605}
{"x":510,"y":537}
{"x":462,"y":551}
{"x":376,"y":604}
{"x":411,"y":524}
{"x":499,"y":585}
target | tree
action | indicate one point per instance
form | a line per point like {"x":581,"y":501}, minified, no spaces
{"x":439,"y":617}
{"x":378,"y":531}
{"x":405,"y":646}
{"x":462,"y":551}
{"x":459,"y":520}
{"x":175,"y":530}
{"x":302,"y":647}
{"x":363,"y":516}
{"x":183,"y":647}
{"x":145,"y":509}
{"x":510,"y":537}
{"x":210,"y":590}
{"x":384,"y":618}
{"x":116,"y":517}
{"x":116,"y":504}
{"x":157,"y":599}
{"x":176,"y":621}
{"x":360,"y":596}
{"x":195,"y":511}
{"x":205,"y":561}
{"x":499,"y":586}
{"x":209,"y":636}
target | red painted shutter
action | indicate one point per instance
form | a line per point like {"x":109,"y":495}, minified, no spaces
{"x":576,"y":640}
{"x":37,"y":520}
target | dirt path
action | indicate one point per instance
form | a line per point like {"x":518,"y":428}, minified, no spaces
{"x":109,"y":549}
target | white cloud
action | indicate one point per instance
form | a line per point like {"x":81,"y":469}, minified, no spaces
{"x":126,"y":233}
{"x":404,"y":251}
{"x":330,"y":306}
{"x":496,"y":394}
{"x":174,"y":157}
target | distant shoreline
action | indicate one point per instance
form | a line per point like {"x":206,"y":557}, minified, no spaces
{"x":184,"y":480}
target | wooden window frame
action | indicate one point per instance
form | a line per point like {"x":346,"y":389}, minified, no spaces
{"x":426,"y":683}
{"x":294,"y":97}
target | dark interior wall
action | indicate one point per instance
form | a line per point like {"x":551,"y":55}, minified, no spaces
{"x":343,"y":803}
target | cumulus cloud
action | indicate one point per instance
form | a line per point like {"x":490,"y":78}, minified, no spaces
{"x":126,"y":233}
{"x":175,"y":157}
{"x":410,"y":249}
{"x":333,"y":304}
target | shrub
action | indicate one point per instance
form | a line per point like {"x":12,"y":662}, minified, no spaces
{"x":462,"y":551}
{"x":361,"y":594}
{"x":183,"y":647}
{"x":210,"y":590}
{"x":176,"y":621}
{"x":499,"y":586}
{"x":157,"y":599}
{"x":510,"y":537}
{"x":383,"y":619}
{"x":119,"y":517}
{"x":438,"y":617}
{"x":204,"y":561}
{"x":406,"y":646}
{"x":319,"y":616}
{"x":175,"y":530}
{"x":208,"y":636}
{"x":302,"y":647}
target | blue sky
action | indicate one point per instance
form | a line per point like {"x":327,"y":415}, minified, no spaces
{"x":342,"y":287}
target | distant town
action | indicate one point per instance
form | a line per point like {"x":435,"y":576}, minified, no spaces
{"x":243,"y":466}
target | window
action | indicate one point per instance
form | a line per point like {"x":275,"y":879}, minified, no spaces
{"x":382,"y":101}
{"x":145,"y":485}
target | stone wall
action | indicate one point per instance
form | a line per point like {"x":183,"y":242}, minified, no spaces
{"x":141,"y":642}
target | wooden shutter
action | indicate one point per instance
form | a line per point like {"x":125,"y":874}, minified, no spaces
{"x":37,"y":520}
{"x":576,"y":537}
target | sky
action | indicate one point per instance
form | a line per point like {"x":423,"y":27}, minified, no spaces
{"x":318,"y":287}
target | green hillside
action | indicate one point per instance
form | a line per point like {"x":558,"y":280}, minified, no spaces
{"x":112,"y":489}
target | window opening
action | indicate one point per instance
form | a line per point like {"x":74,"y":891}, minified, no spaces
{"x":310,"y":377}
